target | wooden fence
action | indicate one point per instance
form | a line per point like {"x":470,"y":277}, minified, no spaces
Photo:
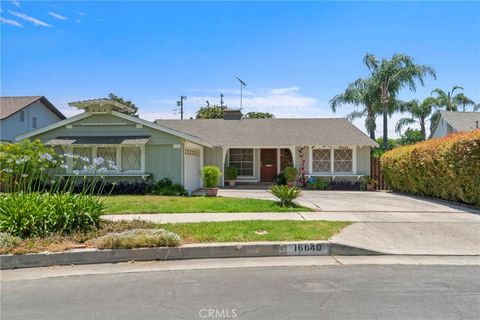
{"x":377,"y":174}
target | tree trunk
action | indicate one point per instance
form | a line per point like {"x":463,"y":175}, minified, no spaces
{"x":422,"y":130}
{"x":385,"y":126}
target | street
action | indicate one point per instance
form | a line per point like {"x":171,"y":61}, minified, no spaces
{"x":287,"y":292}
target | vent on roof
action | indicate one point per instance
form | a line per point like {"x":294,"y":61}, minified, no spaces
{"x":232,"y":115}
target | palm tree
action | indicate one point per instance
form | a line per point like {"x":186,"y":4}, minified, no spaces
{"x":419,"y":113}
{"x":389,"y":76}
{"x":451,"y":101}
{"x":359,"y":93}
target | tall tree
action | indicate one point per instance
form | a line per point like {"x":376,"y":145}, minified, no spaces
{"x":127,"y":103}
{"x":390,"y":76}
{"x":451,"y":101}
{"x":419,"y":113}
{"x":360,"y":93}
{"x":258,"y":115}
{"x":211,"y":112}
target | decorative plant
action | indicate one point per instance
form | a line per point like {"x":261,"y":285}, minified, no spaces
{"x":285,"y":194}
{"x":232,"y":173}
{"x":317,"y":184}
{"x":210,"y":176}
{"x":290,"y":173}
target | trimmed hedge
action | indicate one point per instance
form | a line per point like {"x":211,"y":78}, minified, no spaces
{"x":446,"y":168}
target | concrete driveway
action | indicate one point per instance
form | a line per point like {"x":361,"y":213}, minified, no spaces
{"x":391,"y":223}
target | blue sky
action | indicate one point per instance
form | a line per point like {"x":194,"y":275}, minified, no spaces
{"x":294,"y":56}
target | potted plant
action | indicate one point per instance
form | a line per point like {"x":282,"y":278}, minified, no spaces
{"x":210,"y":176}
{"x":290,"y":174}
{"x":371,"y":184}
{"x":232,"y":173}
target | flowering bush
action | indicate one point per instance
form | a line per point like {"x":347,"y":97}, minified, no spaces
{"x":446,"y":168}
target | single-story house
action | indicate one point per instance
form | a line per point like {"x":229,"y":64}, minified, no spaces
{"x":453,"y":121}
{"x":178,"y":149}
{"x":19,"y":115}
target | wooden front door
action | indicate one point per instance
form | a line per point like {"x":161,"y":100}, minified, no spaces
{"x":268,"y":165}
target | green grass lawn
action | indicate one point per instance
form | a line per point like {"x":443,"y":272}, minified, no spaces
{"x":244,"y":231}
{"x":163,"y":204}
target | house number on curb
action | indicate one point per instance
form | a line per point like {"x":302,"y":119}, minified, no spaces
{"x":308,"y":249}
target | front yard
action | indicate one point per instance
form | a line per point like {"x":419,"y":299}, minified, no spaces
{"x":165,"y":204}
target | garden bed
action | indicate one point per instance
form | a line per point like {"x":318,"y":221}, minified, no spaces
{"x":204,"y":232}
{"x":163,"y":204}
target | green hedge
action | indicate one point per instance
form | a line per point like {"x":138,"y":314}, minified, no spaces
{"x":446,"y":168}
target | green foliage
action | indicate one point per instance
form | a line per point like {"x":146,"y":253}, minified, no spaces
{"x":211,"y":112}
{"x":290,"y":173}
{"x":7,"y":241}
{"x":231,"y":172}
{"x":446,"y":168}
{"x":377,"y":152}
{"x":39,"y":214}
{"x":451,"y":101}
{"x":138,"y":238}
{"x":317,"y":184}
{"x":210,"y":176}
{"x":285,"y":194}
{"x":410,"y":136}
{"x":165,"y":187}
{"x":258,"y":115}
{"x":126,"y":103}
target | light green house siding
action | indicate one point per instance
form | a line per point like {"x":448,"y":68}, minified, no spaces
{"x":363,"y":160}
{"x":163,"y":152}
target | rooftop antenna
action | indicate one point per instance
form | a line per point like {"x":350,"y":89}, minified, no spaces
{"x":242,"y":85}
{"x":180,"y":104}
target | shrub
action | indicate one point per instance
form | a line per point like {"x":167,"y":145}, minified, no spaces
{"x":232,"y":173}
{"x":285,"y":194}
{"x":210,"y":176}
{"x":317,"y":184}
{"x":165,"y":187}
{"x":7,"y":241}
{"x":446,"y":168}
{"x":340,"y":184}
{"x":138,"y":238}
{"x":281,"y":180}
{"x":290,"y":173}
{"x":39,"y":214}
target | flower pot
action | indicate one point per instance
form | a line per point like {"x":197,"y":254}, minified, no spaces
{"x":370,"y":187}
{"x":210,"y":192}
{"x":231,"y":183}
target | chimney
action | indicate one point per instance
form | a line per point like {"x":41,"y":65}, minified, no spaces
{"x":232,"y":115}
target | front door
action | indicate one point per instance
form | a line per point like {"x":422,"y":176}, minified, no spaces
{"x":268,"y":165}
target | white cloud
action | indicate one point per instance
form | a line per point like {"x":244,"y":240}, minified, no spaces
{"x":11,"y":22}
{"x":25,"y":17}
{"x":16,"y":3}
{"x":80,"y":13}
{"x":57,"y":16}
{"x":78,"y":20}
{"x":285,"y":90}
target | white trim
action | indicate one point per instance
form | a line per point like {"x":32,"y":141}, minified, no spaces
{"x":52,"y":126}
{"x":278,"y":160}
{"x":332,"y":160}
{"x":354,"y":160}
{"x":310,"y":159}
{"x":162,"y":128}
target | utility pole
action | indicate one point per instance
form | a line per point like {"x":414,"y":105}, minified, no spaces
{"x":242,"y":85}
{"x":221,"y":99}
{"x":180,"y":104}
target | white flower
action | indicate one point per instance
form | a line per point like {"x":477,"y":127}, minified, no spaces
{"x":76,"y":172}
{"x":46,"y":156}
{"x":98,"y":161}
{"x":68,"y":155}
{"x":85,"y":159}
{"x":64,"y":166}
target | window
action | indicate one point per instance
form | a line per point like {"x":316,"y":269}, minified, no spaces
{"x":321,"y":160}
{"x":34,"y":122}
{"x":131,"y":159}
{"x":342,"y":160}
{"x":85,"y":156}
{"x":243,"y":160}
{"x":22,"y":116}
{"x":107,"y":153}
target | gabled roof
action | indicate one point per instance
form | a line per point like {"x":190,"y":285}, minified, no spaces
{"x":101,"y":103}
{"x":273,"y":132}
{"x":461,"y":121}
{"x":11,"y":105}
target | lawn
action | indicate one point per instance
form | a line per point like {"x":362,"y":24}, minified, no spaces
{"x":257,"y":230}
{"x":163,"y":204}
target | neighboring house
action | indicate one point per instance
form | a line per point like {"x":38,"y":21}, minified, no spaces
{"x":19,"y":115}
{"x":453,"y":121}
{"x":178,"y":149}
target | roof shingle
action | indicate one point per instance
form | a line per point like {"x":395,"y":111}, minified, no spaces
{"x":461,"y":121}
{"x":11,"y":105}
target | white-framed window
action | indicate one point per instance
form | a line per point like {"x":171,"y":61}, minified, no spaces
{"x":243,"y":159}
{"x":131,"y":159}
{"x":343,"y":160}
{"x":321,"y":160}
{"x":85,"y":157}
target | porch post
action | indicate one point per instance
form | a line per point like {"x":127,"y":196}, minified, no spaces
{"x":310,"y":160}
{"x":354,"y":159}
{"x":331,"y":160}
{"x":293,"y":151}
{"x":278,"y":160}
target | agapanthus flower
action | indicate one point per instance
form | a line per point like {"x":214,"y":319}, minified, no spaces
{"x":98,"y":161}
{"x":46,"y":156}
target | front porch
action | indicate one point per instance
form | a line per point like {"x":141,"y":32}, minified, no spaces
{"x":260,"y":166}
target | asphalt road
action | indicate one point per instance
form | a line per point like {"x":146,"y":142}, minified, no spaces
{"x":318,"y":292}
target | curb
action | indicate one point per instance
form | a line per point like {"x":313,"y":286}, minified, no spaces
{"x":202,"y":251}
